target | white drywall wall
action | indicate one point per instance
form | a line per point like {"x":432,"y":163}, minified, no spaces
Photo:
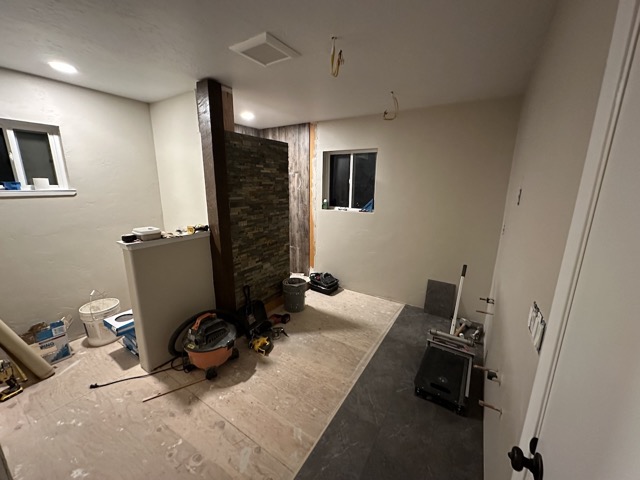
{"x":179,"y":157}
{"x":54,"y":251}
{"x":553,"y":136}
{"x":441,"y":178}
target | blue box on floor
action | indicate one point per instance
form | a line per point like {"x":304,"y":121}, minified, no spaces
{"x":52,"y":343}
{"x":130,"y":342}
{"x":120,"y":323}
{"x":55,"y":349}
{"x":54,"y":330}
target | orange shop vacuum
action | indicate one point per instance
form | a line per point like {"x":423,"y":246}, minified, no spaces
{"x":209,"y":342}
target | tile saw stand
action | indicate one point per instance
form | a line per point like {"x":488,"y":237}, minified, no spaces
{"x":444,"y":375}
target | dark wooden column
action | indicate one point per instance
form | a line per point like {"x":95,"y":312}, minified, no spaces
{"x":212,"y":105}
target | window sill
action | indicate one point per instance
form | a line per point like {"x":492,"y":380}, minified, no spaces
{"x":344,"y":209}
{"x":37,"y":193}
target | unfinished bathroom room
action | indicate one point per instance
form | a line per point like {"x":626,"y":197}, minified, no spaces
{"x":319,"y":240}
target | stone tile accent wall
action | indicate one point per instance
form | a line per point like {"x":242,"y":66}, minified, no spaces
{"x":299,"y":139}
{"x":258,"y":179}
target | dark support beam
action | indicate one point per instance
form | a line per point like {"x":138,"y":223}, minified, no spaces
{"x":211,"y":113}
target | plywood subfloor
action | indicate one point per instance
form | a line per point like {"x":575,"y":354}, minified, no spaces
{"x":259,"y":419}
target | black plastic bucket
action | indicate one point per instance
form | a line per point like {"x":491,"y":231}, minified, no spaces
{"x":294,"y":289}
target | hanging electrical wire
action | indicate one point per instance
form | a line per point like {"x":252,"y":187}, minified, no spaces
{"x":386,"y":114}
{"x":335,"y":62}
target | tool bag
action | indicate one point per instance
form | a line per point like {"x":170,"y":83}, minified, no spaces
{"x":252,"y":316}
{"x":323,"y":282}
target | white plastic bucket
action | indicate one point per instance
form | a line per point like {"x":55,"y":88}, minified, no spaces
{"x":92,"y":315}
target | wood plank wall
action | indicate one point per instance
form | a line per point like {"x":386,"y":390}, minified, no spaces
{"x":254,"y":132}
{"x":312,"y":155}
{"x":227,"y":109}
{"x":298,"y":138}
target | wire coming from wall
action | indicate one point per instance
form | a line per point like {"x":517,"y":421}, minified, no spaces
{"x":335,"y":62}
{"x":396,"y":108}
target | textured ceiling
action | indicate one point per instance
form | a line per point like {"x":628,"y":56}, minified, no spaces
{"x":428,"y":51}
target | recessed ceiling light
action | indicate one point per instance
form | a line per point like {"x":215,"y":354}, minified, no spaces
{"x":63,"y":67}
{"x":247,"y":116}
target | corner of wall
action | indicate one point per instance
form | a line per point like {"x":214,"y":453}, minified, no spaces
{"x":178,"y":155}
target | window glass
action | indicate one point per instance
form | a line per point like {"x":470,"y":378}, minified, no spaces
{"x":364,"y":179}
{"x":339,"y":172}
{"x":36,"y":156}
{"x":6,"y":172}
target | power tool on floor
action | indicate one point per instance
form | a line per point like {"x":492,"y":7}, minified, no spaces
{"x":261,"y":344}
{"x":277,"y":318}
{"x":259,"y":333}
{"x":8,"y":374}
{"x":444,"y":375}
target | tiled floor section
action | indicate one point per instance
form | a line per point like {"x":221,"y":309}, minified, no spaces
{"x":259,"y":419}
{"x":383,"y":431}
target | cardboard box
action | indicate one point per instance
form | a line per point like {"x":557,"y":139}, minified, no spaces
{"x":55,"y":349}
{"x":120,"y":323}
{"x":130,"y":342}
{"x":55,"y":329}
{"x":49,"y":341}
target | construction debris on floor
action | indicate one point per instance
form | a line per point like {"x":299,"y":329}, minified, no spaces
{"x":260,"y":418}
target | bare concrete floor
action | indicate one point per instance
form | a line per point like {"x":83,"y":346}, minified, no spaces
{"x":259,"y":419}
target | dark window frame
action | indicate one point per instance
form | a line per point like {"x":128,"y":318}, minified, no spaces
{"x":339,"y":186}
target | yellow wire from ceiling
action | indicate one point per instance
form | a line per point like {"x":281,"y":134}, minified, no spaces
{"x":335,"y":63}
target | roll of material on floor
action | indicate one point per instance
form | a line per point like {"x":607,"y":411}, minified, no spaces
{"x":16,"y":347}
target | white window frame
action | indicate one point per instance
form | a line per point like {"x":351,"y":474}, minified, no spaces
{"x":55,"y":145}
{"x":326,"y":175}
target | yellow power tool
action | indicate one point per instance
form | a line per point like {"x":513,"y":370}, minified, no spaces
{"x":8,"y":374}
{"x":261,"y":344}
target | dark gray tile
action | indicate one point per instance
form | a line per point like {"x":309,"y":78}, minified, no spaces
{"x":342,"y":450}
{"x":383,"y":430}
{"x":422,"y":440}
{"x":371,"y":398}
{"x":440,"y":298}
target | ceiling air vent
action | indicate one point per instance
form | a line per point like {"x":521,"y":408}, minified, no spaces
{"x":264,"y":49}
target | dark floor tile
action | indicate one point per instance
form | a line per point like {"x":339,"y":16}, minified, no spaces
{"x":383,"y":430}
{"x":422,"y":440}
{"x":342,"y":450}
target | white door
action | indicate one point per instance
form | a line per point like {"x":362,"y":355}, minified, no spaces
{"x":590,"y":428}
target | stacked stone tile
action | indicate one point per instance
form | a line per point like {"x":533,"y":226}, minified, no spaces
{"x":258,"y":179}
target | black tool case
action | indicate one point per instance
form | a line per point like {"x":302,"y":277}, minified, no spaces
{"x":444,"y":376}
{"x":323,"y":283}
